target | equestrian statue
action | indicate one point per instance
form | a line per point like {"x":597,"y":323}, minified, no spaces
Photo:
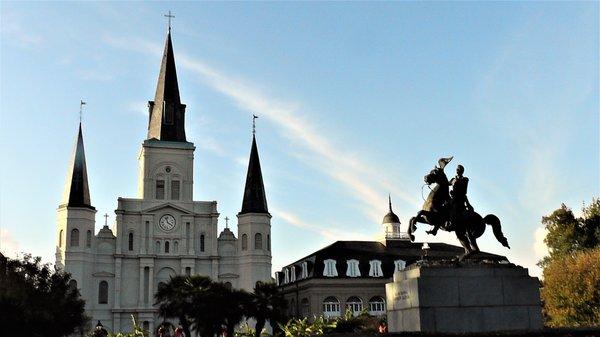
{"x":451,"y":211}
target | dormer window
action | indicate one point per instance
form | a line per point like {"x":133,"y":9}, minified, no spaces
{"x":304,"y":273}
{"x":293,"y":274}
{"x":330,"y":270}
{"x":352,"y":269}
{"x":375,"y":268}
{"x":399,"y":265}
{"x":286,"y":276}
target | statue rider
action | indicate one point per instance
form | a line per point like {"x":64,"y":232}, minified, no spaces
{"x":459,"y":203}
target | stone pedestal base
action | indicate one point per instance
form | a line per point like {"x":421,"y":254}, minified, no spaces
{"x":470,"y":298}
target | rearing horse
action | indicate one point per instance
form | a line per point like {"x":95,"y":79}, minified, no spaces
{"x":468,"y":226}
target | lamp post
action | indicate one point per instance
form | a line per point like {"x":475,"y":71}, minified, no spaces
{"x":425,"y":250}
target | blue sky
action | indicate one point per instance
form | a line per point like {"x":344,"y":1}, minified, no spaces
{"x":356,"y":100}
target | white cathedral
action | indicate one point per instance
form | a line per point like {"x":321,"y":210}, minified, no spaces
{"x":163,"y":232}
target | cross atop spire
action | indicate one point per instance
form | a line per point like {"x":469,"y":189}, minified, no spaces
{"x":254,"y":117}
{"x":169,"y":15}
{"x":226,"y":222}
{"x":81,"y":104}
{"x":105,"y":219}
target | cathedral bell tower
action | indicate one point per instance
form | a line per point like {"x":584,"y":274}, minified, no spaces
{"x":166,"y":158}
{"x":76,"y":217}
{"x":254,"y":227}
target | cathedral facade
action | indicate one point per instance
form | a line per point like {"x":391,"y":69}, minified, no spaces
{"x":162,"y":232}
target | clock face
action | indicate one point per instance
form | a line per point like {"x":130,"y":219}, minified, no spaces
{"x":167,"y":222}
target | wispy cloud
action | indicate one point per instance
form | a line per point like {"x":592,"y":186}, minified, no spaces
{"x":322,"y":231}
{"x":365,"y":183}
{"x":95,"y":75}
{"x":14,"y":33}
{"x":139,"y":107}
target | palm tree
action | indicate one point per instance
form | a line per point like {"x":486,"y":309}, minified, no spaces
{"x":266,"y":304}
{"x":176,"y":298}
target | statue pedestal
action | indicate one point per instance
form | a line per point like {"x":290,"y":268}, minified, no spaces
{"x":466,"y":298}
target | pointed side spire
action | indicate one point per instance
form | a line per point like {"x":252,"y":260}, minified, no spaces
{"x":167,"y":114}
{"x":255,"y":200}
{"x":77,"y":191}
{"x":391,"y":217}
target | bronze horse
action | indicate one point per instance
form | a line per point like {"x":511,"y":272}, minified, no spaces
{"x":468,"y":226}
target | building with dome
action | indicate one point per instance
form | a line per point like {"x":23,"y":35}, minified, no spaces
{"x":162,"y":231}
{"x":351,"y":275}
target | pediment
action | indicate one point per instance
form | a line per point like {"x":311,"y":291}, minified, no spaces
{"x":103,"y":274}
{"x":164,"y":206}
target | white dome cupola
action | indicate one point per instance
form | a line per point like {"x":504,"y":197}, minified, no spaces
{"x":391,"y":224}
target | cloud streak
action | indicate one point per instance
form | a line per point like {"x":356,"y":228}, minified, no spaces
{"x":322,"y":231}
{"x":362,"y":181}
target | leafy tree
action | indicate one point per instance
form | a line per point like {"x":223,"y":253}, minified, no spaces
{"x":266,"y":304}
{"x":568,"y":234}
{"x":571,"y":291}
{"x":571,"y":287}
{"x":36,"y":300}
{"x":305,"y":328}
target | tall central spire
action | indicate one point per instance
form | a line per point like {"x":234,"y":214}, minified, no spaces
{"x":167,"y":114}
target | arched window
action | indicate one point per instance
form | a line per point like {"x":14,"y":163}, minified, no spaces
{"x":331,"y":307}
{"x":72,"y":285}
{"x":399,"y":265}
{"x":188,"y":271}
{"x":202,"y":242}
{"x":305,"y":307}
{"x":75,"y":237}
{"x":157,"y":247}
{"x":130,"y":242}
{"x":103,"y":292}
{"x":258,"y":241}
{"x":377,"y":306}
{"x":146,"y":326}
{"x":244,"y":242}
{"x":268,"y":242}
{"x":355,"y":305}
{"x":176,"y":247}
{"x":88,"y":239}
{"x":60,"y":235}
{"x":228,"y":285}
{"x":167,"y":244}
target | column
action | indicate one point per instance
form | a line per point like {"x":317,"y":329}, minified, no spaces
{"x":117,"y":283}
{"x":150,"y":286}
{"x":141,"y":292}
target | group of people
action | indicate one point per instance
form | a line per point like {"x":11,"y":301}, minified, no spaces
{"x":164,"y":330}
